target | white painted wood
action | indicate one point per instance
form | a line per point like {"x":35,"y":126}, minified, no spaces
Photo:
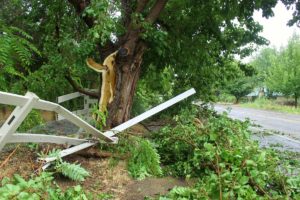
{"x":68,"y":97}
{"x":149,"y":113}
{"x":29,"y":101}
{"x":16,"y":118}
{"x":12,"y":99}
{"x":42,"y":138}
{"x":81,"y":123}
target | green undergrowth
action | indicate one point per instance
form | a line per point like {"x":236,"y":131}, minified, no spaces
{"x":141,"y":155}
{"x":222,"y":159}
{"x":40,"y":187}
{"x":267,"y":104}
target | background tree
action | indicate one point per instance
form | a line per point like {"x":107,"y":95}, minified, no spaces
{"x":284,"y":76}
{"x":262,"y":62}
{"x":243,"y":81}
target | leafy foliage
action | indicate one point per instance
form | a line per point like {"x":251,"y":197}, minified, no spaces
{"x":16,"y":53}
{"x":144,"y":160}
{"x":241,"y":82}
{"x":73,"y":171}
{"x":141,"y":155}
{"x":38,"y":188}
{"x":34,"y":118}
{"x":224,"y":161}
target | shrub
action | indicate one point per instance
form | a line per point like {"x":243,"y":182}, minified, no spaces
{"x":223,"y":159}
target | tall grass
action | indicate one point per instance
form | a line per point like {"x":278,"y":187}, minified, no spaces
{"x":267,"y":104}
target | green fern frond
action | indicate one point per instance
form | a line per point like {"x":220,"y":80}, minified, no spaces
{"x":72,"y":171}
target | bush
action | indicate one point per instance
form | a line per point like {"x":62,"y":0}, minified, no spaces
{"x":224,"y":161}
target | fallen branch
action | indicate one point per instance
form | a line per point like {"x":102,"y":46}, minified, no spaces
{"x":9,"y":156}
{"x":79,"y":88}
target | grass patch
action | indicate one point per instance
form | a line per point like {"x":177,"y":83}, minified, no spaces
{"x":267,"y":104}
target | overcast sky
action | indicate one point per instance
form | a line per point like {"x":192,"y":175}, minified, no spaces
{"x":275,"y":28}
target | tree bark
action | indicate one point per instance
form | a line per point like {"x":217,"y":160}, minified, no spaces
{"x":296,"y":100}
{"x":128,"y":72}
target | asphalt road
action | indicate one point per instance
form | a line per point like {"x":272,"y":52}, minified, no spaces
{"x":289,"y":124}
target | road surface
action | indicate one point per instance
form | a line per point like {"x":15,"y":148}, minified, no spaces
{"x":270,"y":120}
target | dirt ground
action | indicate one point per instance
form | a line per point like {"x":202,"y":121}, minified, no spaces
{"x":106,"y":176}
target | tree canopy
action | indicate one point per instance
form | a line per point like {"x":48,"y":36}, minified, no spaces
{"x":190,"y":39}
{"x":284,"y":74}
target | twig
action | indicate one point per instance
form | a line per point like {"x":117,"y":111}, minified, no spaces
{"x":9,"y":156}
{"x":219,"y":177}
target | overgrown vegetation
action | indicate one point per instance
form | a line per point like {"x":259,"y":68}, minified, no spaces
{"x":141,"y":155}
{"x":223,"y":160}
{"x":144,"y":160}
{"x":39,"y":187}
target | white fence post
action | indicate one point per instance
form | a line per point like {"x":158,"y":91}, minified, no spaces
{"x":16,"y":118}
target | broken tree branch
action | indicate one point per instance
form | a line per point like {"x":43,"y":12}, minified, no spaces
{"x":79,"y":88}
{"x":9,"y":156}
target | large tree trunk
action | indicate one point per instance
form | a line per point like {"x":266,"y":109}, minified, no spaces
{"x":128,"y":72}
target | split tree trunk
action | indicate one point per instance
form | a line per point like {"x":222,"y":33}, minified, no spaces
{"x":128,"y":72}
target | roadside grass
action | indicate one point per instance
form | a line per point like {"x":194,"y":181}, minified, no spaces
{"x":270,"y":105}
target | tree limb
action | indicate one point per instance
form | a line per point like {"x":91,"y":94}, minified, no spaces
{"x":156,"y":10}
{"x":141,"y":5}
{"x":127,"y":12}
{"x":79,"y":6}
{"x":79,"y":88}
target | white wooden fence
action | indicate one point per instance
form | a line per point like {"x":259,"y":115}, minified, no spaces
{"x":87,"y":102}
{"x":24,"y":104}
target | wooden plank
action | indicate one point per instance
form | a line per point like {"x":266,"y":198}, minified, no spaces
{"x":12,"y":99}
{"x":149,"y":113}
{"x":68,"y":97}
{"x":42,"y":138}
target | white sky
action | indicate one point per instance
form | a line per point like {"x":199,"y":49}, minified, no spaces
{"x":275,"y":28}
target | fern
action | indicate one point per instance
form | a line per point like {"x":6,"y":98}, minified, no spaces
{"x":72,"y":171}
{"x":15,"y":48}
{"x":144,"y":160}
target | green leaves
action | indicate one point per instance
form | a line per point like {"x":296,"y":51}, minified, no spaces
{"x":223,"y":160}
{"x":72,"y":171}
{"x":39,"y":188}
{"x":144,"y":160}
